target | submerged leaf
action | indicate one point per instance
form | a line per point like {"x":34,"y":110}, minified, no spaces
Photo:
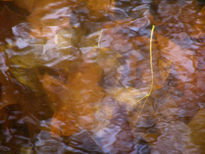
{"x":28,"y":4}
{"x":98,"y":5}
{"x":8,"y":19}
{"x":182,"y":59}
{"x":128,"y":96}
{"x":47,"y":19}
{"x":113,"y":132}
{"x":27,"y":54}
{"x":26,"y":77}
{"x":76,"y":100}
{"x":197,"y":126}
{"x":8,"y":93}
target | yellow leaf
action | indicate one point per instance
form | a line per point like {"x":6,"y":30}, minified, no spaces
{"x":128,"y":96}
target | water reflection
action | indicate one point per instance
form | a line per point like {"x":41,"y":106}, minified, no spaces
{"x":72,"y":73}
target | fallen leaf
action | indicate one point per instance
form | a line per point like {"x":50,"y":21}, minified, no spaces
{"x":8,"y":19}
{"x":8,"y":94}
{"x":197,"y":126}
{"x":47,"y":19}
{"x":128,"y":96}
{"x":26,"y":77}
{"x":8,"y":91}
{"x":197,"y":26}
{"x":74,"y":102}
{"x":27,"y":54}
{"x":172,"y":134}
{"x":28,"y":4}
{"x":116,"y":135}
{"x":164,"y":68}
{"x":182,"y":59}
{"x":31,"y":5}
{"x":100,"y":5}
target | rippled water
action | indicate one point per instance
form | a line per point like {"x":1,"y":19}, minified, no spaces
{"x":75,"y":75}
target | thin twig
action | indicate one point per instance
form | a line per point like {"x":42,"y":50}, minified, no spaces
{"x":100,"y":38}
{"x":151,"y":65}
{"x":152,"y":75}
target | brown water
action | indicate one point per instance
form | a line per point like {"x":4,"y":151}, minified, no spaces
{"x":74,"y":72}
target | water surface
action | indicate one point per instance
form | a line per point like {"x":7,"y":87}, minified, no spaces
{"x":75,"y":73}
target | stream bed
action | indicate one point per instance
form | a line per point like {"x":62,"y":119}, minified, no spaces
{"x":78,"y":76}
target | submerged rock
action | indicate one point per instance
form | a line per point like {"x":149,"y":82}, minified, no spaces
{"x":113,"y":132}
